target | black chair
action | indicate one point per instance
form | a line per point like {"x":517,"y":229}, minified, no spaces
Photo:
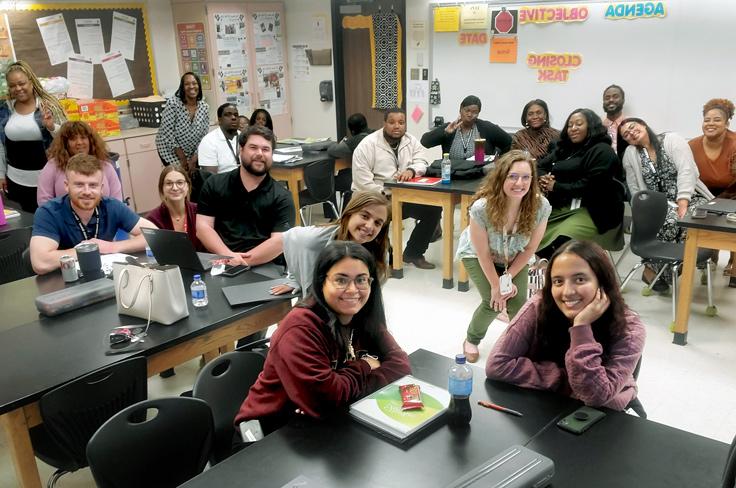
{"x":636,"y":404}
{"x":648,"y":212}
{"x":155,"y":443}
{"x":729,"y":473}
{"x":224,"y":383}
{"x":319,"y":179}
{"x":73,"y":412}
{"x":13,"y":262}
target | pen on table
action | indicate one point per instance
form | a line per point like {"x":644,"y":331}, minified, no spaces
{"x":493,"y":406}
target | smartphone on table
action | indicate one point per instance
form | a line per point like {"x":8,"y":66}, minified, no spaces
{"x":231,"y":271}
{"x":580,"y":420}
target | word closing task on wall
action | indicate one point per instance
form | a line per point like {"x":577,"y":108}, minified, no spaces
{"x":553,"y":67}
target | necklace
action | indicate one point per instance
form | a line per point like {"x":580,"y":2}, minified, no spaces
{"x":464,"y":142}
{"x":349,"y":351}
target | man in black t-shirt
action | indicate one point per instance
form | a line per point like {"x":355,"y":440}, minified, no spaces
{"x":243,"y":212}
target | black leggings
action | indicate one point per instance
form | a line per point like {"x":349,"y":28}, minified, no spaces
{"x":25,"y":196}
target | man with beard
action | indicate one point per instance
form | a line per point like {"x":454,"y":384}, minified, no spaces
{"x":82,"y":215}
{"x":243,"y":212}
{"x":613,"y":105}
{"x":390,"y":154}
{"x":218,"y":150}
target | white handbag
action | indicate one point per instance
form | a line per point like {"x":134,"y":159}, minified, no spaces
{"x":152,"y":293}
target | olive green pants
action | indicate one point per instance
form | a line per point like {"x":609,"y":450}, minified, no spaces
{"x":484,"y":314}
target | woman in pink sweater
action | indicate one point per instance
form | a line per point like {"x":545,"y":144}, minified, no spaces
{"x":577,"y":337}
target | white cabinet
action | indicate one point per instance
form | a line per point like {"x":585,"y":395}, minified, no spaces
{"x":140,"y":167}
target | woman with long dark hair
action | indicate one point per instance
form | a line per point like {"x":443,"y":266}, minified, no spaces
{"x":332,"y":348}
{"x":578,"y":178}
{"x":185,"y":120}
{"x":577,"y":336}
{"x":508,"y":216}
{"x":663,"y":163}
{"x":365,"y":221}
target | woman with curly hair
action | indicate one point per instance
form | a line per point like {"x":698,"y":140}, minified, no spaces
{"x":578,"y":178}
{"x":365,"y":221}
{"x":76,"y":138}
{"x":508,"y":217}
{"x":715,"y":155}
{"x":577,"y":337}
{"x":537,"y":135}
{"x":28,"y":121}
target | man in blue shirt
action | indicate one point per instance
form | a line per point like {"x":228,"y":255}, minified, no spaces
{"x":82,"y":215}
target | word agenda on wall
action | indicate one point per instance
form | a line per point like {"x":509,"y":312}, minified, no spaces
{"x":636,"y":10}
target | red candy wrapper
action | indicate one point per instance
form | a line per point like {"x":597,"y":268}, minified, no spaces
{"x":411,"y":397}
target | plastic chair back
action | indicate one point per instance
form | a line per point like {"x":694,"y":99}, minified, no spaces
{"x":319,"y":178}
{"x":224,"y":383}
{"x":73,"y":412}
{"x":729,"y":473}
{"x":163,"y":449}
{"x":648,"y":211}
{"x":12,"y":245}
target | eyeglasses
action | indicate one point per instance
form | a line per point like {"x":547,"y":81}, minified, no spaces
{"x":341,"y":282}
{"x":179,"y":184}
{"x":516,"y":177}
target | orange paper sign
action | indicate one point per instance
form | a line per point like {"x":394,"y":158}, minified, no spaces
{"x":503,"y":49}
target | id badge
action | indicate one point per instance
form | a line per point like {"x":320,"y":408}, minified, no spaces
{"x":505,"y":285}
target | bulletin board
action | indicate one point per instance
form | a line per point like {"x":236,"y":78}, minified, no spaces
{"x":669,"y":67}
{"x":29,"y":45}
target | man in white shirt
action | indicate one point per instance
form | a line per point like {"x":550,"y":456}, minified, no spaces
{"x":217,"y":152}
{"x":390,"y":154}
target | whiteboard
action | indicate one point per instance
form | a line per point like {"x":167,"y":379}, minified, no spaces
{"x":668,"y":67}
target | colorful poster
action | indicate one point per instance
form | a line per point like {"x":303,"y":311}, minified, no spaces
{"x":504,"y":49}
{"x":446,"y":19}
{"x":553,"y":67}
{"x":636,"y":10}
{"x":474,"y":16}
{"x":232,"y":60}
{"x":193,"y":50}
{"x":472,"y":38}
{"x":504,"y":21}
{"x":553,"y":13}
{"x":233,"y":87}
{"x":267,"y":38}
{"x":271,"y":88}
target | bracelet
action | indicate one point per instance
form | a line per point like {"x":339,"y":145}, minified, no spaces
{"x":367,"y":356}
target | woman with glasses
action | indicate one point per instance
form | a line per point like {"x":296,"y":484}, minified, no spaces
{"x":365,"y":221}
{"x":508,"y":217}
{"x":579,"y":179}
{"x":176,"y":212}
{"x":332,"y":348}
{"x":663,"y":163}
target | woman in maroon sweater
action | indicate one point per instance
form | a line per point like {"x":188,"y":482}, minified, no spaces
{"x":331,"y":349}
{"x":176,"y":212}
{"x":577,"y":337}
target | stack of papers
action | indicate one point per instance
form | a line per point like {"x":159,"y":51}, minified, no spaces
{"x":287,"y":154}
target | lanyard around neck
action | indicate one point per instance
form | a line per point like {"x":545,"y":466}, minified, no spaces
{"x":506,"y":243}
{"x":83,"y":227}
{"x":227,"y":141}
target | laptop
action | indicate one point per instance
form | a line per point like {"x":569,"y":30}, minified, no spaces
{"x":173,"y":247}
{"x":720,"y":206}
{"x":254,"y":292}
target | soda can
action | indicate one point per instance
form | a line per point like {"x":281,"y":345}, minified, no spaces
{"x":68,"y":268}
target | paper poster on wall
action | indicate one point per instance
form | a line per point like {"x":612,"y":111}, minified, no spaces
{"x":417,"y":91}
{"x":117,"y":73}
{"x":472,"y":38}
{"x":418,"y":36}
{"x":417,"y":114}
{"x":55,"y":38}
{"x":553,"y":13}
{"x":89,"y":35}
{"x":271,"y":88}
{"x":267,"y":38}
{"x":233,"y":87}
{"x":231,"y":39}
{"x":193,"y":50}
{"x":504,"y":21}
{"x":123,"y":34}
{"x":504,"y":49}
{"x":553,"y":67}
{"x":300,"y":62}
{"x":6,"y":42}
{"x":80,"y":73}
{"x":474,"y":16}
{"x":446,"y":19}
{"x":319,"y":27}
{"x":635,"y":10}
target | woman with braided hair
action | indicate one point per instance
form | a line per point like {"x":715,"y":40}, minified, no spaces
{"x":28,"y":121}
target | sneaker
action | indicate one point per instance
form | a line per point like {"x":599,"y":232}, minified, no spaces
{"x":419,"y":262}
{"x":471,"y":352}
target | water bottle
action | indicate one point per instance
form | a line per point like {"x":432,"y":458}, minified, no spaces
{"x":446,"y":169}
{"x":460,"y":387}
{"x":199,"y":292}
